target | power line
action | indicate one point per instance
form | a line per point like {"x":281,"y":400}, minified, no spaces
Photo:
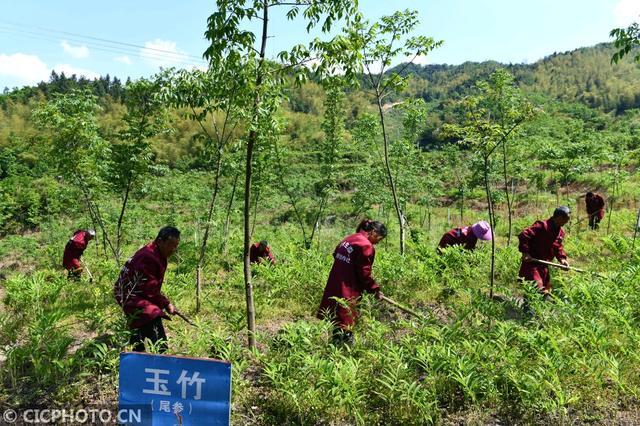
{"x":100,"y":43}
{"x":103,"y":40}
{"x":107,"y":49}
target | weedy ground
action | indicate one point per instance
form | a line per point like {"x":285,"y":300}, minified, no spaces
{"x":475,"y":360}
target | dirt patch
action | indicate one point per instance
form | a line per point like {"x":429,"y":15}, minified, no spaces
{"x":627,"y":418}
{"x":80,"y":336}
{"x":14,"y":264}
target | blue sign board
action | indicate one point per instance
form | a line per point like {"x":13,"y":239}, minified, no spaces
{"x":173,"y":390}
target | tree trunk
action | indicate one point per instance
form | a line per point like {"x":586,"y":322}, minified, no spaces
{"x":612,"y":199}
{"x":611,"y":202}
{"x":95,"y":227}
{"x":251,"y":314}
{"x":461,"y":206}
{"x":198,"y":270}
{"x":492,"y":222}
{"x":577,"y":215}
{"x":228,"y":218}
{"x":120,"y":220}
{"x":207,"y":228}
{"x":292,"y":201}
{"x":506,"y":190}
{"x":257,"y":200}
{"x":95,"y":212}
{"x":323,"y":200}
{"x":399,"y":214}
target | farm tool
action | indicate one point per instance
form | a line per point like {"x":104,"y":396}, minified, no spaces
{"x":404,"y":308}
{"x":184,"y":317}
{"x":568,"y":268}
{"x":86,"y":268}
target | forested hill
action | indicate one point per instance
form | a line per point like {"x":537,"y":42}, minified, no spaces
{"x":583,"y":75}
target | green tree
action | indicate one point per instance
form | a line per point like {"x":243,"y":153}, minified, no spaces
{"x":132,"y":159}
{"x":491,"y":117}
{"x":216,"y":101}
{"x":232,"y":47}
{"x":626,"y":39}
{"x":458,"y":171}
{"x":318,"y":189}
{"x":618,"y":146}
{"x":570,"y":154}
{"x":77,"y":149}
{"x":508,"y":109}
{"x":379,"y":45}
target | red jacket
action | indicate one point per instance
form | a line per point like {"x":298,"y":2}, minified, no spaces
{"x":138,"y":288}
{"x":256,"y":255}
{"x":459,"y":236}
{"x":74,"y":249}
{"x":542,"y":240}
{"x":350,"y":276}
{"x":595,"y":206}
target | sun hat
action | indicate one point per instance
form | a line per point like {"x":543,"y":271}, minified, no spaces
{"x":482,"y":230}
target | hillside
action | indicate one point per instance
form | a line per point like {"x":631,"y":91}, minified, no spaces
{"x":583,"y":75}
{"x":464,"y":143}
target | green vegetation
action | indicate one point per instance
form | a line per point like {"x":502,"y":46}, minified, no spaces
{"x":460,"y":142}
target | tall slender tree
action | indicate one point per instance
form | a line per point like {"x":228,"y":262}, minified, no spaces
{"x":214,"y":99}
{"x":485,"y":131}
{"x":77,"y":149}
{"x":381,"y":44}
{"x":146,"y":117}
{"x":245,"y":55}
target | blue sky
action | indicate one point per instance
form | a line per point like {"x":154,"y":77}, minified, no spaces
{"x":75,"y":36}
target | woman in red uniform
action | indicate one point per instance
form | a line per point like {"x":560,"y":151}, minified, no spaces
{"x":543,"y":240}
{"x":466,"y":236}
{"x":73,"y":251}
{"x":350,"y":276}
{"x":595,"y":209}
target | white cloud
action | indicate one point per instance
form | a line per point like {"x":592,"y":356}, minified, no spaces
{"x":161,"y":53}
{"x":626,"y":12}
{"x":75,"y":51}
{"x":30,"y":69}
{"x":70,"y":70}
{"x":124,"y":59}
{"x":27,"y":69}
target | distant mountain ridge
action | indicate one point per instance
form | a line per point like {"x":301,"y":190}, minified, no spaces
{"x":583,"y":75}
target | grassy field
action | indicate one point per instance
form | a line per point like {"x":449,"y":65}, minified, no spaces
{"x":474,"y":361}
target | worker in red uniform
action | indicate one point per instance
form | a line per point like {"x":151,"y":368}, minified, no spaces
{"x":543,"y":241}
{"x":138,"y":290}
{"x":466,"y":236}
{"x":350,"y":276}
{"x":595,"y":209}
{"x":73,"y":252}
{"x":261,"y":251}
